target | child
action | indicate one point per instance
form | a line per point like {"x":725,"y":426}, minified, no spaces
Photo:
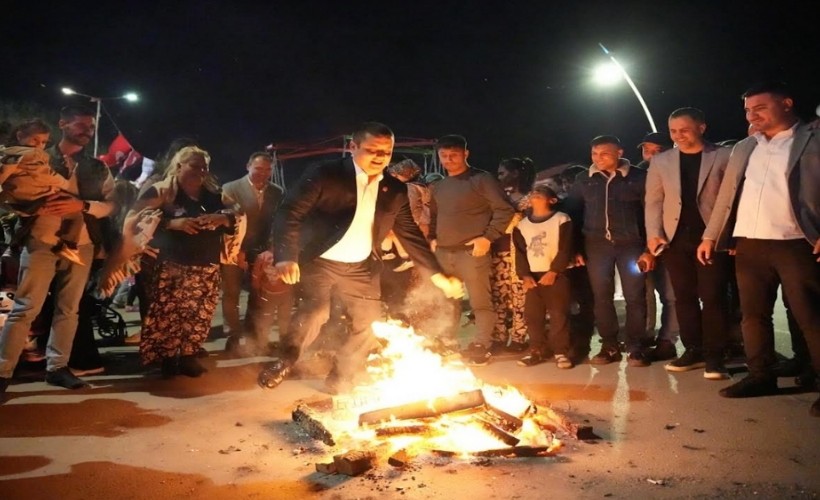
{"x":28,"y":180}
{"x":543,"y":248}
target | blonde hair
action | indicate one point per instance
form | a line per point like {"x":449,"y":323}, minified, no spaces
{"x":186,"y":154}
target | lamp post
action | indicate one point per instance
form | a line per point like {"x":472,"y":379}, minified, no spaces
{"x":130,"y":97}
{"x":613,"y":72}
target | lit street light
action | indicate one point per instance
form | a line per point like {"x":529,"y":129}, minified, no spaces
{"x":612,"y":72}
{"x":130,"y":97}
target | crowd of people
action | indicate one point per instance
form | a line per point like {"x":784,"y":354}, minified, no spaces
{"x":714,"y":230}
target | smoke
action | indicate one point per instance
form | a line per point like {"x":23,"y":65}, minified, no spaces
{"x":429,"y":312}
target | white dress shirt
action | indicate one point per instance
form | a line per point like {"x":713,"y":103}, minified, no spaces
{"x":765,"y":209}
{"x":260,"y":193}
{"x":357,"y":243}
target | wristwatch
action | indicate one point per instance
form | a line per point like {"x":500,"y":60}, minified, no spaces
{"x":86,"y":207}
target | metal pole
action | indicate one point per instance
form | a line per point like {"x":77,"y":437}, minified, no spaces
{"x":97,"y":125}
{"x":632,"y":85}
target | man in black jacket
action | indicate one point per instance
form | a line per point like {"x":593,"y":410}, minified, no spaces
{"x":326,"y":236}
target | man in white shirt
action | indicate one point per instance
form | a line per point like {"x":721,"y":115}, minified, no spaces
{"x":769,"y":204}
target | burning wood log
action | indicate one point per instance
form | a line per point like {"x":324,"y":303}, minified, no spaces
{"x":354,"y":463}
{"x":399,"y":459}
{"x":503,"y":419}
{"x":514,"y":451}
{"x":556,"y":418}
{"x":498,"y":432}
{"x":310,"y":422}
{"x":425,"y":409}
{"x":398,"y":430}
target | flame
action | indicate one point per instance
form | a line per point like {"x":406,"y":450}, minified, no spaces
{"x":405,"y":372}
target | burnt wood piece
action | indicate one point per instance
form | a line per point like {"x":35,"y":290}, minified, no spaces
{"x":513,"y":451}
{"x":403,"y":429}
{"x":578,"y":431}
{"x":425,"y":409}
{"x":498,"y":432}
{"x":308,"y":420}
{"x":503,"y":419}
{"x":399,"y":459}
{"x":329,"y":468}
{"x":354,"y":462}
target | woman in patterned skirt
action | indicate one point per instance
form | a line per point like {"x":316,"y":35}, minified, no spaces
{"x":186,"y":284}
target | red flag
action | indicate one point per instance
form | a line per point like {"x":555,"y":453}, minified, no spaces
{"x":118,"y":151}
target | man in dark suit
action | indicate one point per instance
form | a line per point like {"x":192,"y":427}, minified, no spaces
{"x":681,"y":188}
{"x":326,"y":235}
{"x":768,"y":208}
{"x":258,"y":198}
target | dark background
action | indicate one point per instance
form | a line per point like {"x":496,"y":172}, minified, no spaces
{"x":513,"y":77}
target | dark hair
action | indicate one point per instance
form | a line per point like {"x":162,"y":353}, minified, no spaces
{"x":451,"y":141}
{"x":406,"y":168}
{"x":71,"y":112}
{"x":375,"y":129}
{"x":780,"y":89}
{"x":605,"y":139}
{"x":693,"y":113}
{"x":545,"y":190}
{"x":525,"y":169}
{"x":260,"y":154}
{"x":27,"y":129}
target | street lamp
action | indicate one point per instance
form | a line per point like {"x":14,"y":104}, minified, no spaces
{"x":130,"y":97}
{"x":612,"y":72}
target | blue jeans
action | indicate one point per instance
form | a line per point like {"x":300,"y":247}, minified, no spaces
{"x":602,"y":259}
{"x":39,"y":267}
{"x":475,"y":273}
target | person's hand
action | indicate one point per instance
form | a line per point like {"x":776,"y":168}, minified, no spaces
{"x":187,"y":225}
{"x":817,"y":249}
{"x":150,"y":251}
{"x":59,"y":205}
{"x":529,"y":283}
{"x":209,"y":222}
{"x":481,"y":246}
{"x":451,"y":286}
{"x":580,"y":261}
{"x":289,"y":271}
{"x":433,"y":245}
{"x":704,"y":252}
{"x":548,"y":279}
{"x":646,"y":262}
{"x":655,"y":243}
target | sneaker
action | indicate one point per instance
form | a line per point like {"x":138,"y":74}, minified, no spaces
{"x":132,"y":309}
{"x":715,"y":370}
{"x":608,"y":354}
{"x":478,"y":355}
{"x":637,"y":359}
{"x":70,"y":254}
{"x":78,"y":372}
{"x":563,"y":362}
{"x":497,"y":347}
{"x":190,"y":366}
{"x":663,"y":351}
{"x":518,"y":346}
{"x":532,"y":359}
{"x":404,"y":266}
{"x":271,"y":376}
{"x":691,"y":360}
{"x":751,"y":387}
{"x":63,"y":377}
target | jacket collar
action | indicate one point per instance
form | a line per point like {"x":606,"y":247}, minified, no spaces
{"x":623,"y":168}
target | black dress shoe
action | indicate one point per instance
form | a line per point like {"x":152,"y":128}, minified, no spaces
{"x":170,"y":367}
{"x":272,"y":375}
{"x":751,"y":387}
{"x":63,"y":377}
{"x":190,"y":366}
{"x":791,"y":367}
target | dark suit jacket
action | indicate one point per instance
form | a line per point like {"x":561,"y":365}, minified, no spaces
{"x":318,"y":211}
{"x":260,"y":220}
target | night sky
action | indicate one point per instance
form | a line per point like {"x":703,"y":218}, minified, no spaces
{"x":513,"y":77}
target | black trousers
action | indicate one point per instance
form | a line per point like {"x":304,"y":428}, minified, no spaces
{"x":555,"y":299}
{"x":702,"y":328}
{"x":582,"y":324}
{"x":357,"y":286}
{"x":763,"y":265}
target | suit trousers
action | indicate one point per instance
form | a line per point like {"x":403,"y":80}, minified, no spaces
{"x":357,"y":286}
{"x":761,"y":266}
{"x":703,"y":328}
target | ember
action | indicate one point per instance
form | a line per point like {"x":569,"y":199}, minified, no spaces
{"x":417,"y":402}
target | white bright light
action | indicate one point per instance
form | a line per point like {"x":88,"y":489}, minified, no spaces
{"x":68,"y":91}
{"x":131,"y":96}
{"x":608,"y":74}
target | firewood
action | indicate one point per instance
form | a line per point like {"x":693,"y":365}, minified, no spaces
{"x":309,"y":421}
{"x":425,"y":409}
{"x":513,"y":451}
{"x":398,"y":430}
{"x":399,"y":459}
{"x":354,"y":462}
{"x":498,"y":432}
{"x":328,"y":468}
{"x":578,"y":431}
{"x":503,"y":419}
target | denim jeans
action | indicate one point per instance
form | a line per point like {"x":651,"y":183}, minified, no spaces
{"x":475,"y":273}
{"x":602,"y":259}
{"x":39,"y":266}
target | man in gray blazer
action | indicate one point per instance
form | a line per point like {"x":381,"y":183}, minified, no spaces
{"x":769,"y":205}
{"x":258,"y":197}
{"x":681,"y":187}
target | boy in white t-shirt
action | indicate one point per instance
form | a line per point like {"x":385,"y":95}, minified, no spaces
{"x":543,"y":249}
